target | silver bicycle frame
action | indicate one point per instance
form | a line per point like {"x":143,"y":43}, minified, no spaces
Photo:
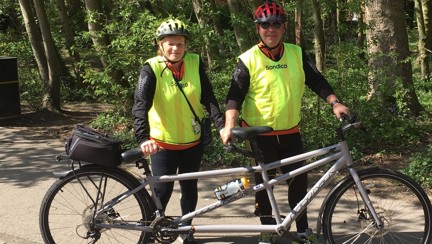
{"x":338,"y":153}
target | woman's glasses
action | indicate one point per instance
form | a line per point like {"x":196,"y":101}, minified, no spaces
{"x":266,"y":25}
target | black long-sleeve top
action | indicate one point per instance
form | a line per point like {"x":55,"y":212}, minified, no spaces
{"x":144,"y":94}
{"x":241,"y":81}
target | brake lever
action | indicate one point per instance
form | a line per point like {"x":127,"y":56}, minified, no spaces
{"x":356,"y":125}
{"x":347,"y":118}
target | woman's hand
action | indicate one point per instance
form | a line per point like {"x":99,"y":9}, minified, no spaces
{"x":225,"y":134}
{"x":149,"y":147}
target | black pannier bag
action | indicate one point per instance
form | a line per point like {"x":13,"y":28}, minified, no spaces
{"x":89,"y":145}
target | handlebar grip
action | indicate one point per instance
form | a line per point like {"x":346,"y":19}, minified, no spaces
{"x":347,"y":118}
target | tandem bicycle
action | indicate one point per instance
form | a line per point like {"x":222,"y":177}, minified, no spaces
{"x":91,"y":203}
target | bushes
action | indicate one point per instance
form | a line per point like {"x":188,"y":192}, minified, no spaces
{"x":420,"y":167}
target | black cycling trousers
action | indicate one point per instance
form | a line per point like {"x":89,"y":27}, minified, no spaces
{"x":169,"y":162}
{"x":274,"y":148}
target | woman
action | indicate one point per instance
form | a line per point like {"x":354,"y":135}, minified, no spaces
{"x":166,"y":128}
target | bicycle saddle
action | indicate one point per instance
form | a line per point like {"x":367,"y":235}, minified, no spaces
{"x":247,"y":133}
{"x":131,"y":155}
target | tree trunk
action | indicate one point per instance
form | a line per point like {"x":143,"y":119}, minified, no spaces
{"x":361,"y":27}
{"x":299,"y":40}
{"x":421,"y":28}
{"x":387,"y":41}
{"x":100,"y":40}
{"x":69,"y":40}
{"x":203,"y":22}
{"x":51,"y":100}
{"x":427,"y":16}
{"x":320,"y":49}
{"x":239,"y":31}
{"x":95,"y":27}
{"x":217,"y":26}
{"x":35,"y":38}
{"x":75,"y":9}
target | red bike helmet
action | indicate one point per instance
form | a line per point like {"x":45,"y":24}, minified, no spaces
{"x":270,"y":12}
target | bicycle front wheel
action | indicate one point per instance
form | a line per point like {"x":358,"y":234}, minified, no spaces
{"x":67,"y":213}
{"x":400,"y":203}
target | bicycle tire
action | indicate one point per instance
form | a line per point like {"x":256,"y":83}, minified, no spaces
{"x":67,"y":209}
{"x":399,"y":201}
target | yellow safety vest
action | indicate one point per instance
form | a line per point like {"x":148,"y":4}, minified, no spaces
{"x":170,"y":117}
{"x":276,"y":88}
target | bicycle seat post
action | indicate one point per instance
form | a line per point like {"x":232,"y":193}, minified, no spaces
{"x":259,"y":159}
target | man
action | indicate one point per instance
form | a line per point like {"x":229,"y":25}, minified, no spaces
{"x":267,"y":86}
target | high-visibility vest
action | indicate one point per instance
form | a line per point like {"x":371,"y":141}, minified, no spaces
{"x":276,"y":88}
{"x":170,"y":117}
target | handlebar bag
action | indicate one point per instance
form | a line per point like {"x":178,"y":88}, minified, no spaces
{"x":89,"y":145}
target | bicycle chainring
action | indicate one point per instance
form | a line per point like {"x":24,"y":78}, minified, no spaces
{"x":160,"y":234}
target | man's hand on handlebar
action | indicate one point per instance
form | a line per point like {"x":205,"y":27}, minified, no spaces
{"x":339,"y":110}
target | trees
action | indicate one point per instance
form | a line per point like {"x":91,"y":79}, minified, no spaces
{"x":45,"y":52}
{"x":237,"y":11}
{"x":389,"y":57}
{"x":101,"y":41}
{"x":118,"y":38}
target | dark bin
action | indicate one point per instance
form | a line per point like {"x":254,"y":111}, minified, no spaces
{"x":10,"y":105}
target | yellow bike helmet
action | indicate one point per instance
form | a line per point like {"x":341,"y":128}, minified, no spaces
{"x":172,"y":27}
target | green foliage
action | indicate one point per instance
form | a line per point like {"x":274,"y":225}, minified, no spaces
{"x":348,"y":77}
{"x":118,"y":125}
{"x":420,"y":167}
{"x":424,"y":92}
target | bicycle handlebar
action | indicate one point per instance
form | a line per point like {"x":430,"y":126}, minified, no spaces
{"x":133,"y":155}
{"x":346,"y":122}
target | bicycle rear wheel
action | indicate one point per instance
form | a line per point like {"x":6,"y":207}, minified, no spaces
{"x":67,"y":210}
{"x":400,"y":202}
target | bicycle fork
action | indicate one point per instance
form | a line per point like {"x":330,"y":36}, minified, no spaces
{"x":365,"y":196}
{"x":361,"y":188}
